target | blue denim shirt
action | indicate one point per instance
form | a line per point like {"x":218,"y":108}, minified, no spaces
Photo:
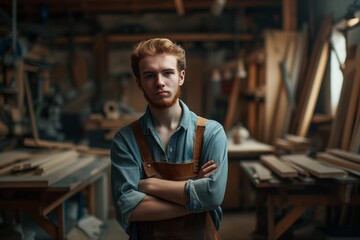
{"x":205,"y":194}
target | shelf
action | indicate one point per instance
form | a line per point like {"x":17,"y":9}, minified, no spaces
{"x":182,"y":37}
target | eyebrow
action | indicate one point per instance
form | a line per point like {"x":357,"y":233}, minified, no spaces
{"x":163,"y":70}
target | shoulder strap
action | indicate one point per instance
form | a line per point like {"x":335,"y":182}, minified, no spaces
{"x":200,"y":128}
{"x":148,"y":162}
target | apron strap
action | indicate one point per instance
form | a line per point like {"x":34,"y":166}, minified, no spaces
{"x":148,"y":162}
{"x":200,"y":128}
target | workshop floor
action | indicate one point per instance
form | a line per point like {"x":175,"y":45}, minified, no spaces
{"x":234,"y":226}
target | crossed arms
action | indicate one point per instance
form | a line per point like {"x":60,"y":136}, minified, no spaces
{"x":165,"y":199}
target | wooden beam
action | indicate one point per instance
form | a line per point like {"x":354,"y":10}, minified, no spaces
{"x":179,"y":37}
{"x":179,"y":6}
{"x":289,"y":8}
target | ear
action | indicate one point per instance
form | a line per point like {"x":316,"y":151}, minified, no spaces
{"x":181,"y":77}
{"x":138,"y":83}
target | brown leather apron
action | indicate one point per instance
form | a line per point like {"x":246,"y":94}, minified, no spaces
{"x":195,"y":226}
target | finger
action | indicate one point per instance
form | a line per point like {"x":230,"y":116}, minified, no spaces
{"x":209,"y":163}
{"x":210,"y":168}
{"x":210,"y":172}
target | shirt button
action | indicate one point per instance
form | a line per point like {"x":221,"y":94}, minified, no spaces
{"x":149,"y":165}
{"x":170,"y":149}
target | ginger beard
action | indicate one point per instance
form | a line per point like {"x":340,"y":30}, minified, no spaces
{"x":164,"y":103}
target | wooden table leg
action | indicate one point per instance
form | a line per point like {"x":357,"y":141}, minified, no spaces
{"x":45,"y":224}
{"x":55,"y":231}
{"x":91,"y":199}
{"x":270,"y":218}
{"x":261,"y":221}
{"x":61,"y":221}
{"x":275,"y":230}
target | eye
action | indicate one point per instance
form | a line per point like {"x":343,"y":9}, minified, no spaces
{"x":149,"y":75}
{"x":168,"y":73}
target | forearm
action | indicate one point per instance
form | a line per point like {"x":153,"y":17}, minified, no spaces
{"x":172,"y":191}
{"x":155,"y":209}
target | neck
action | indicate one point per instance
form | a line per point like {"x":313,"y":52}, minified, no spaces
{"x":168,"y":117}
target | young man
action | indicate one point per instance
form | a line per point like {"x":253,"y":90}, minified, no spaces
{"x":169,"y":168}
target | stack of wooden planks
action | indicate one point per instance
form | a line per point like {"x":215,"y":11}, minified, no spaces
{"x":293,"y":144}
{"x":341,"y":159}
{"x":40,"y":168}
{"x":300,"y":165}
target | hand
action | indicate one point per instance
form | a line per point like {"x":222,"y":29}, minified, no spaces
{"x":207,"y":169}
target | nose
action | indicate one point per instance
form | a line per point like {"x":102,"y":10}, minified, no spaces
{"x":160,"y":80}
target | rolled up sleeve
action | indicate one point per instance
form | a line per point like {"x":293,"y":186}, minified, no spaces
{"x":207,"y":194}
{"x":125,"y":176}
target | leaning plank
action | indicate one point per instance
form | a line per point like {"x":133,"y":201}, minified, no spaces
{"x":314,"y":167}
{"x":312,"y":94}
{"x":262,"y":173}
{"x":355,"y":139}
{"x":344,"y":154}
{"x":350,"y":114}
{"x":277,"y":166}
{"x":338,"y":161}
{"x":35,"y":181}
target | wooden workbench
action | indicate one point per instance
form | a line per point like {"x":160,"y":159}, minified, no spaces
{"x":237,"y":191}
{"x":38,"y":202}
{"x":294,"y":197}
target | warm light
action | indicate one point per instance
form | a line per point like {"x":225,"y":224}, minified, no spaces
{"x":352,"y":22}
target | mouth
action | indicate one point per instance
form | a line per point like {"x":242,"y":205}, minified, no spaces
{"x":161,"y":93}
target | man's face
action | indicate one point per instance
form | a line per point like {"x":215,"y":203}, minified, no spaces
{"x":160,"y":80}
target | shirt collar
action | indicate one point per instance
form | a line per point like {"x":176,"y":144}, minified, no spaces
{"x":147,"y":122}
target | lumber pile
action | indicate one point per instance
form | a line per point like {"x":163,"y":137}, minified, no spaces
{"x":334,"y":163}
{"x":40,"y":168}
{"x":293,"y":144}
{"x":342,"y":159}
{"x":315,"y":168}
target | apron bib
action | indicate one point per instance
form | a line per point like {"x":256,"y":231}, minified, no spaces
{"x":195,"y":226}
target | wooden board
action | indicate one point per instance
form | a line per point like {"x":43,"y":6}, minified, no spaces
{"x":344,"y":154}
{"x":248,"y":148}
{"x":36,"y":181}
{"x":338,"y":161}
{"x":8,"y":157}
{"x":314,"y":167}
{"x":276,"y":165}
{"x":350,"y":113}
{"x":75,"y":179}
{"x":289,"y":146}
{"x":299,"y":169}
{"x":275,"y":48}
{"x":310,"y":85}
{"x":312,"y":95}
{"x":229,"y":119}
{"x":262,"y":173}
{"x":339,"y":119}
